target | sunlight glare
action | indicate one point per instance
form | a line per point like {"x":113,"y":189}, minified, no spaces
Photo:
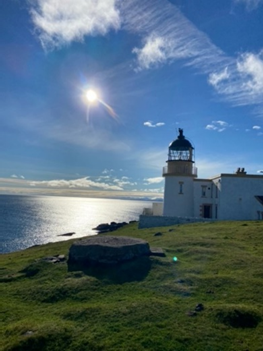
{"x":91,"y":95}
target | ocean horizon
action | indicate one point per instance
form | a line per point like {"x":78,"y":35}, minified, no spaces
{"x":27,"y":220}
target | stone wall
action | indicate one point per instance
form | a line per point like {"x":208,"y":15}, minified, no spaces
{"x":164,"y":221}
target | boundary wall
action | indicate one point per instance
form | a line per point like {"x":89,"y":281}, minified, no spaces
{"x":164,"y":221}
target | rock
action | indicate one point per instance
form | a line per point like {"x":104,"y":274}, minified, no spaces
{"x":199,"y":307}
{"x":180,"y":281}
{"x":54,"y":259}
{"x":171,"y":230}
{"x":106,"y":227}
{"x":210,"y":292}
{"x":157,"y":251}
{"x":107,"y":250}
{"x":191,"y":313}
{"x":158,"y":234}
{"x":61,"y":257}
{"x":67,"y":234}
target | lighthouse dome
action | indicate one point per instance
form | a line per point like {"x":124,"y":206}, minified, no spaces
{"x":180,"y":144}
{"x":181,"y":149}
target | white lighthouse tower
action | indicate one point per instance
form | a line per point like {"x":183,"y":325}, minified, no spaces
{"x":179,"y":175}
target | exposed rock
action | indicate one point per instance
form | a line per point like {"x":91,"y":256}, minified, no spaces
{"x":158,"y":234}
{"x":61,"y":257}
{"x":157,"y":251}
{"x":199,"y":307}
{"x":54,"y":259}
{"x":191,"y":313}
{"x":106,"y":227}
{"x":107,"y":250}
{"x":67,"y":234}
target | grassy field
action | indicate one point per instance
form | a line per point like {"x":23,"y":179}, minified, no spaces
{"x":144,"y":305}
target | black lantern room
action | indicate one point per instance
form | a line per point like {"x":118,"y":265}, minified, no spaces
{"x":181,"y":149}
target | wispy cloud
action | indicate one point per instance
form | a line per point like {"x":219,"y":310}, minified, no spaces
{"x":14,"y":176}
{"x":107,"y":171}
{"x":60,"y":22}
{"x":256,"y":127}
{"x":75,"y":183}
{"x":151,"y":125}
{"x":250,"y":4}
{"x":216,"y":78}
{"x":241,"y":82}
{"x":156,"y":50}
{"x":153,"y":180}
{"x":167,"y":36}
{"x":219,"y":126}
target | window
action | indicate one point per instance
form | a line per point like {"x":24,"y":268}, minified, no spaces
{"x":203,"y":190}
{"x":181,"y":187}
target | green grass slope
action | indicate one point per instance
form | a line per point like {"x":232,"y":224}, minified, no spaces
{"x":144,"y":305}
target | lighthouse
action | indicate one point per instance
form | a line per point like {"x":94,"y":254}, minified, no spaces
{"x":179,"y":174}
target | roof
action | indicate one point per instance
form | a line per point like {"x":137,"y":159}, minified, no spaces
{"x":180,"y":143}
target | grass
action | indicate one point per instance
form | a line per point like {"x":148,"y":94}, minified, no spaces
{"x":142,"y":305}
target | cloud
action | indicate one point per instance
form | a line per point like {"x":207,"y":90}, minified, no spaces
{"x":107,"y":171}
{"x":260,"y":171}
{"x":149,"y":124}
{"x":156,"y":50}
{"x":123,"y":182}
{"x":154,"y":180}
{"x":219,"y":126}
{"x":256,"y":127}
{"x":14,"y":176}
{"x":241,"y":82}
{"x":61,"y":22}
{"x":250,"y":4}
{"x":215,"y":78}
{"x":76,"y":183}
{"x":22,"y":177}
{"x":167,"y":36}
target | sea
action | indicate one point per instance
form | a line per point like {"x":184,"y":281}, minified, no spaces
{"x":34,"y":220}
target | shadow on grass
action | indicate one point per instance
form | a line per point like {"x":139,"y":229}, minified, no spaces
{"x":135,"y":270}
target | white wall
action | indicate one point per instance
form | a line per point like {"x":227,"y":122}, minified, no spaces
{"x":157,"y":208}
{"x":176,"y":204}
{"x":199,"y":199}
{"x":238,"y":200}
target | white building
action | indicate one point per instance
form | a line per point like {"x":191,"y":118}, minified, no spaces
{"x":237,"y":196}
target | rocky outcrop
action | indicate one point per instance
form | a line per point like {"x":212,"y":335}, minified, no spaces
{"x":107,"y":250}
{"x":106,"y":227}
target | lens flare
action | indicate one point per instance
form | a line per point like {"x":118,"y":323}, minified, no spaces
{"x":91,"y":98}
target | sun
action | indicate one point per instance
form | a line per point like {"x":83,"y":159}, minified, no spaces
{"x":91,"y":95}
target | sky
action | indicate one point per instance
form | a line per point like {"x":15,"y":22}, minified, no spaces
{"x":155,"y":65}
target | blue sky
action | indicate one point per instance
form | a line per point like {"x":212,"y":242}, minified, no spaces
{"x":156,"y":65}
